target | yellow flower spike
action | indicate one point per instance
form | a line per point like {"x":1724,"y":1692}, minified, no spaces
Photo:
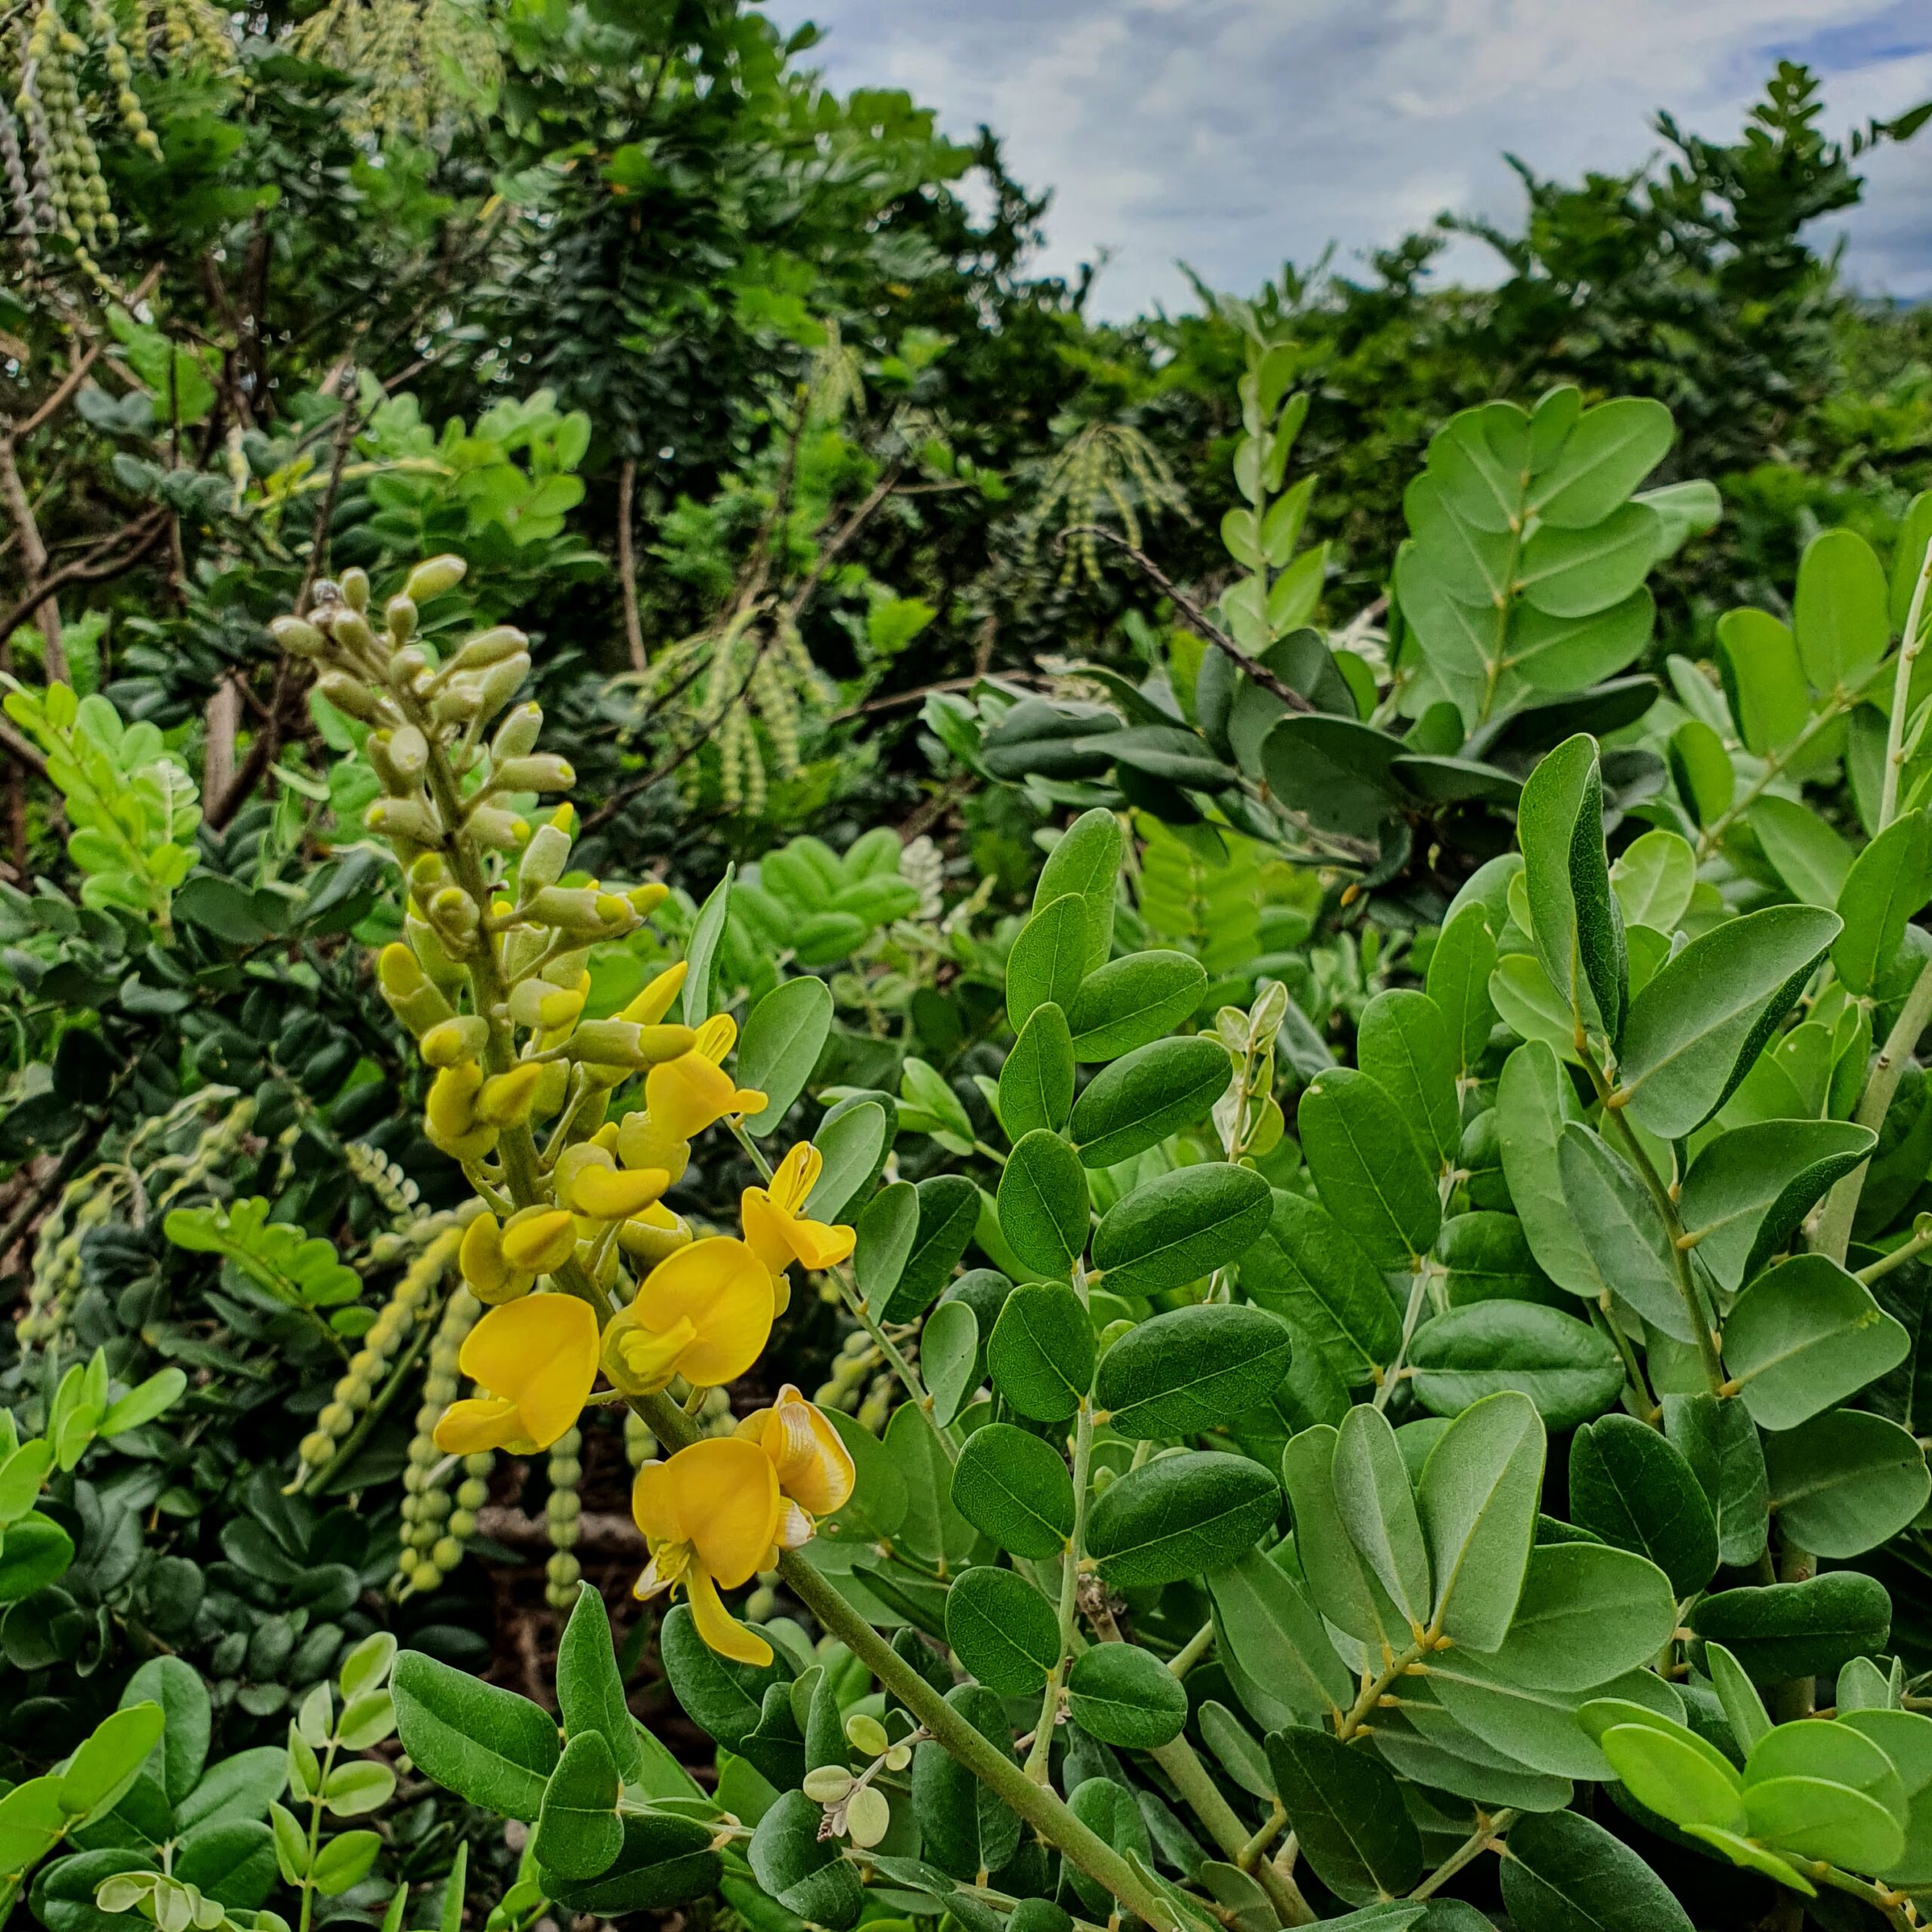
{"x":539,"y":1240}
{"x":489,"y":1273}
{"x":506,"y":1098}
{"x":655,"y":1235}
{"x":649,"y":1007}
{"x":685,"y":1096}
{"x":705,"y":1313}
{"x":775,"y":1225}
{"x":815,"y":1469}
{"x":537,"y":1358}
{"x":710,"y":1515}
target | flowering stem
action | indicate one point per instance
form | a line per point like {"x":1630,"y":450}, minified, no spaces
{"x":960,"y":1740}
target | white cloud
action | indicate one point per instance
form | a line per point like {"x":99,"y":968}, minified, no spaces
{"x":1234,"y":134}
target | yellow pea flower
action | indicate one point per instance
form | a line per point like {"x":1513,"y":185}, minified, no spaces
{"x":506,"y":1098}
{"x":485,"y":1267}
{"x":641,"y":1143}
{"x":537,"y":1359}
{"x":705,"y":1314}
{"x":686,"y":1095}
{"x":710,"y":1515}
{"x":815,"y":1469}
{"x":539,"y":1240}
{"x":773,"y":1218}
{"x":589,"y":1183}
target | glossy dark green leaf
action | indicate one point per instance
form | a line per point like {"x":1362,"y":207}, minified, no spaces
{"x":1086,"y":860}
{"x":723,"y":1699}
{"x":1348,"y":1815}
{"x":1571,"y":1372}
{"x":1015,"y":1487}
{"x":1307,"y":1268}
{"x":1695,"y":1029}
{"x":1706,"y":778}
{"x":1889,"y":881}
{"x":1180,"y":1226}
{"x":1130,"y":1002}
{"x":1368,"y":1166}
{"x":1578,"y":931}
{"x":1721,"y":1443}
{"x":664,"y":1861}
{"x":1406,"y":1044}
{"x":1138,"y":1100}
{"x":1036,"y":1082}
{"x":1001,"y":1629}
{"x":1486,"y":1257}
{"x":1841,"y":611}
{"x":1191,"y":1369}
{"x":487,"y":1745}
{"x":578,"y":1832}
{"x":1779,"y":1631}
{"x":949,"y":1210}
{"x":1049,"y":958}
{"x":966,"y":1829}
{"x":1108,"y":1809}
{"x":1458,"y":981}
{"x":1180,"y":1516}
{"x":1565,"y":1873}
{"x":1336,"y":772}
{"x":1043,"y":1203}
{"x":1127,"y":1697}
{"x":1042,"y":1350}
{"x":1632,"y":1487}
{"x":888,"y":1225}
{"x":807,"y":1875}
{"x":590,"y":1690}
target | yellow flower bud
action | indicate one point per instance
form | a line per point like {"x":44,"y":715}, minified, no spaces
{"x":653,"y":1236}
{"x":453,"y":1042}
{"x":643,"y":1142}
{"x":605,"y":1193}
{"x":450,"y":1109}
{"x":539,"y":1240}
{"x":505,"y":1099}
{"x":410,"y":995}
{"x":539,"y":772}
{"x":489,"y":1276}
{"x":619,"y":1043}
{"x":539,"y":1003}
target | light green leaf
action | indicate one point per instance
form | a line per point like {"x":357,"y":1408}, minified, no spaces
{"x":1477,"y":1499}
{"x":1804,"y":1337}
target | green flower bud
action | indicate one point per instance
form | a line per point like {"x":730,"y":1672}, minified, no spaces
{"x":354,"y":585}
{"x":350,"y":629}
{"x":543,"y":859}
{"x":298,"y":638}
{"x":542,"y":773}
{"x":516,"y":736}
{"x":399,"y":613}
{"x":353,"y":696}
{"x":433,"y":577}
{"x":404,"y":818}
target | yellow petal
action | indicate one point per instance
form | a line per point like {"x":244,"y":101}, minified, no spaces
{"x":640,"y":1360}
{"x":468,"y":1427}
{"x":729,"y":1500}
{"x":653,"y":1503}
{"x":768,"y":1232}
{"x":716,"y":1038}
{"x":749,"y":1101}
{"x":818,"y":1245}
{"x":724,"y":1290}
{"x":541,"y":1354}
{"x":719,"y":1628}
{"x":539,"y":1240}
{"x":814,"y":1467}
{"x":651,"y":1006}
{"x":605,"y":1195}
{"x":797,"y":1176}
{"x":505,"y":1098}
{"x":685,"y":1096}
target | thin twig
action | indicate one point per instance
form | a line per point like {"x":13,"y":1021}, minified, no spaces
{"x":76,"y":376}
{"x":1196,"y":620}
{"x":627,"y":563}
{"x":140,"y":535}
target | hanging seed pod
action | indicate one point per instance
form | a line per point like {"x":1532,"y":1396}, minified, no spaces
{"x":425,"y":1500}
{"x":560,"y":1513}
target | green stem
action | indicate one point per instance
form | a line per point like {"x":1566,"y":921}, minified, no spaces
{"x":1908,"y":1250}
{"x":1191,"y":1653}
{"x":1662,"y":1199}
{"x":1895,"y":1906}
{"x":1835,"y":707}
{"x":1832,"y":1236}
{"x":1485,"y":1837}
{"x":1411,"y":1316}
{"x":1190,"y":1777}
{"x":1069,"y":1589}
{"x":1633,"y":1370}
{"x":1372,"y":1693}
{"x":1909,"y":646}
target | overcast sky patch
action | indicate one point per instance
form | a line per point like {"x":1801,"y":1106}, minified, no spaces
{"x":1233,"y":135}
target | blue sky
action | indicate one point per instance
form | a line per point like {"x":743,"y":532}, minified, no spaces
{"x":1234,"y":134}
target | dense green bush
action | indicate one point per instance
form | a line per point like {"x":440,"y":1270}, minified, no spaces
{"x":1171,"y":1071}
